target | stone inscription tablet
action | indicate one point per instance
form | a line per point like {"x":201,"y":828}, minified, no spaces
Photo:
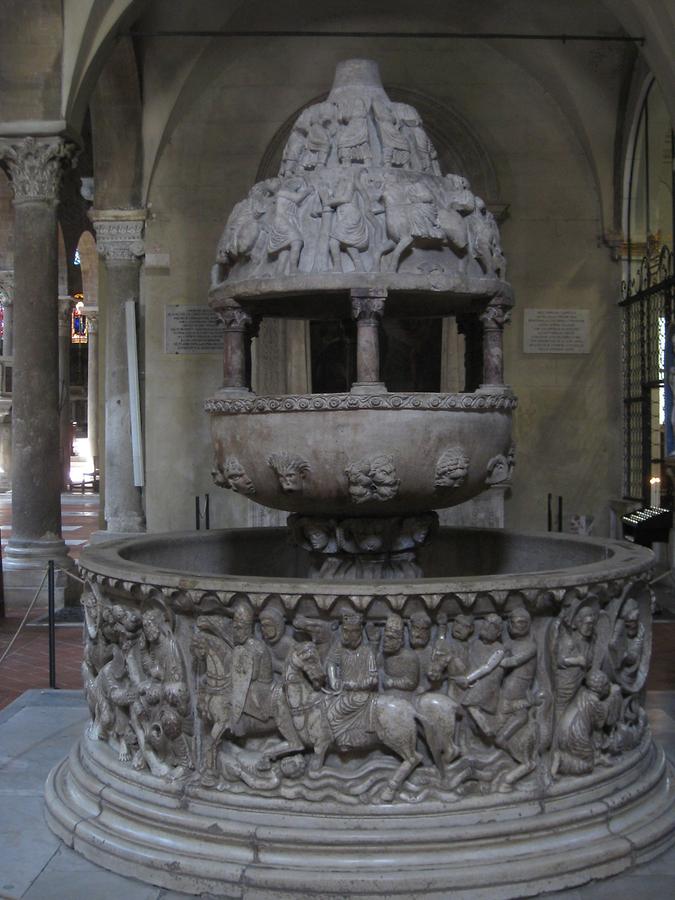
{"x":192,"y":329}
{"x":556,"y":331}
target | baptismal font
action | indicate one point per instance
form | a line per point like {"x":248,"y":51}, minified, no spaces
{"x":364,"y":704}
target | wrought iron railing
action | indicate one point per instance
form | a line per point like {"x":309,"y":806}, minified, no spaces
{"x":648,"y":333}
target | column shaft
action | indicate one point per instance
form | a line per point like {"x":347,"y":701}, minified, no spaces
{"x":494,"y":318}
{"x":119,"y":240}
{"x":92,"y":385}
{"x":123,"y":501}
{"x":65,"y":421}
{"x":239,"y":330}
{"x":367,"y":309}
{"x":36,"y":478}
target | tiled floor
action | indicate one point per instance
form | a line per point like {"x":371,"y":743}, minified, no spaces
{"x":27,"y":665}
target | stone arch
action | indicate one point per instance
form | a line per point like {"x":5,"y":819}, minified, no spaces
{"x":116,"y":131}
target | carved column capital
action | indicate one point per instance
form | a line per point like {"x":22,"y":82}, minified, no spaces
{"x":35,"y":166}
{"x":368,"y":305}
{"x":119,"y":234}
{"x":495,"y":316}
{"x":234,"y":318}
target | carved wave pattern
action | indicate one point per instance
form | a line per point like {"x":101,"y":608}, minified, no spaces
{"x":332,"y":402}
{"x":198,"y":602}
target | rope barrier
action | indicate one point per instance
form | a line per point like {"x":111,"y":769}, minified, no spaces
{"x":23,"y":621}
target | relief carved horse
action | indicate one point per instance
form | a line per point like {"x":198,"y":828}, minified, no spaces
{"x":394,"y":719}
{"x":214,"y":705}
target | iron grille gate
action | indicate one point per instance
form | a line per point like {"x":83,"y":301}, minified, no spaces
{"x":648,"y":338}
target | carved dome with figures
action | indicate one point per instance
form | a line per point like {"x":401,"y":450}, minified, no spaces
{"x":359,"y":201}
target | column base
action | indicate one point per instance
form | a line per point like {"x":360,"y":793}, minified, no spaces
{"x":494,"y":388}
{"x":24,"y":563}
{"x":113,"y":534}
{"x":131,"y":523}
{"x":368,"y":387}
{"x":229,"y":393}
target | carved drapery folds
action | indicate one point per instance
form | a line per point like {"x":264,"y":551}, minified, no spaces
{"x":35,"y":166}
{"x":442,"y":694}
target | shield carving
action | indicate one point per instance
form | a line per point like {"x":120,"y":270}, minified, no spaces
{"x":242,"y":673}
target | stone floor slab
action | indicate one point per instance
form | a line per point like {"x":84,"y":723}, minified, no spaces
{"x":68,"y":875}
{"x":26,"y":844}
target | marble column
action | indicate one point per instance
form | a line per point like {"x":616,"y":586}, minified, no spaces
{"x":65,"y":421}
{"x":92,"y":384}
{"x":495,"y":316}
{"x":239,"y":329}
{"x":367,"y":309}
{"x":35,"y":166}
{"x":119,"y":238}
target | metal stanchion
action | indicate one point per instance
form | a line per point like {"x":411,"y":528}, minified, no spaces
{"x":203,"y":516}
{"x":52,"y":623}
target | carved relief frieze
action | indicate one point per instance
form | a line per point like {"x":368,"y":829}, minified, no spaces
{"x":309,"y":402}
{"x":511,"y":685}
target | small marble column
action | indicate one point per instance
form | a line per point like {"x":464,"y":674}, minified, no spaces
{"x":367,"y":309}
{"x":240,"y":328}
{"x":119,"y":239}
{"x":92,"y":384}
{"x":64,"y":307}
{"x":495,"y":316}
{"x":35,"y":166}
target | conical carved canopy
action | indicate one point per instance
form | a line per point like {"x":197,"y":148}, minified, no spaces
{"x":359,"y":201}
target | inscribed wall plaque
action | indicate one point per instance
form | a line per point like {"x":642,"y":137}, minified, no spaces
{"x":192,"y":329}
{"x":556,"y":331}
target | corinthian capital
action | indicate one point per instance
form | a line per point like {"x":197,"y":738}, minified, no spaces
{"x":35,"y":166}
{"x":119,"y":234}
{"x":368,"y":304}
